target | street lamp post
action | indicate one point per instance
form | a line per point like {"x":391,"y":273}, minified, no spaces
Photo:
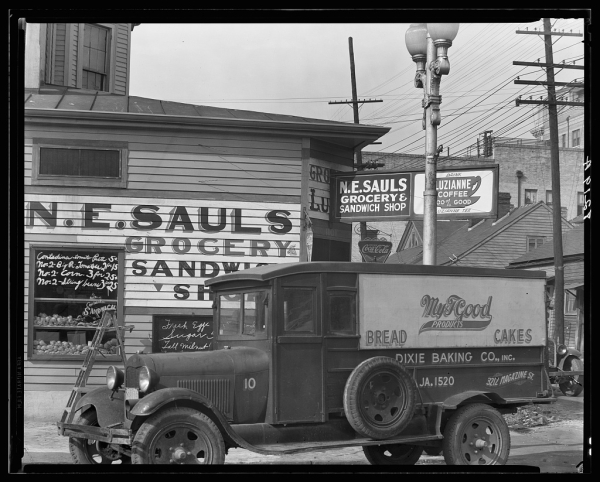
{"x":428,"y":45}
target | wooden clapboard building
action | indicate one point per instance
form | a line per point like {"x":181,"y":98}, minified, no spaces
{"x":132,"y":203}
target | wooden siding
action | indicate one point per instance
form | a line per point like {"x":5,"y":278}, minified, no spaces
{"x":167,"y":169}
{"x":510,"y":243}
{"x":573,"y":272}
{"x":121,"y":63}
{"x":205,"y":165}
{"x":71,"y":80}
{"x":59,"y":54}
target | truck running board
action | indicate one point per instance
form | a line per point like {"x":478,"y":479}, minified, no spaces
{"x":296,"y":447}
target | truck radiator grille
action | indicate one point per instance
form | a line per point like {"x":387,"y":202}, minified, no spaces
{"x":217,"y":391}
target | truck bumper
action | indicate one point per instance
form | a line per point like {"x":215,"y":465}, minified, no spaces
{"x":108,"y":435}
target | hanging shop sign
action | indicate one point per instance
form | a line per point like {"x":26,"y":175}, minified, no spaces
{"x":374,"y":250}
{"x":378,"y":196}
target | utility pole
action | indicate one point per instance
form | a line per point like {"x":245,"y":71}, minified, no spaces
{"x":355,"y":101}
{"x":559,"y":275}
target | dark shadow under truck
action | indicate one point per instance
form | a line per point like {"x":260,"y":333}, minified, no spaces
{"x":397,"y":359}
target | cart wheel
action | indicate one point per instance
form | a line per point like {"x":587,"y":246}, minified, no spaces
{"x":396,"y":454}
{"x":379,"y":398}
{"x":476,"y":435}
{"x":570,"y":387}
{"x":178,"y":435}
{"x":84,"y":451}
{"x":433,"y":451}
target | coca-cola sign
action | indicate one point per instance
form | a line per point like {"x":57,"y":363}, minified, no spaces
{"x":374,"y":250}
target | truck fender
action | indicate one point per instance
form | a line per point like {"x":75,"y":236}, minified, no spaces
{"x":154,"y":401}
{"x":570,"y":352}
{"x":479,"y":396}
{"x":108,"y":405}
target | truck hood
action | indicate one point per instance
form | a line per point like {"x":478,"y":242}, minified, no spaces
{"x":230,"y":361}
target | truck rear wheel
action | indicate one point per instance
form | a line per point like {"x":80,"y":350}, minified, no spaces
{"x":476,"y":435}
{"x":379,"y":398}
{"x":395,"y":454}
{"x":84,"y":451}
{"x":178,"y":435}
{"x":570,"y":387}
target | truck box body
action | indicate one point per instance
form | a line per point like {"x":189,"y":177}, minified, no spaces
{"x":456,"y":330}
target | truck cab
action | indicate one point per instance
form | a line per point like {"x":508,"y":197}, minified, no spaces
{"x":397,"y":359}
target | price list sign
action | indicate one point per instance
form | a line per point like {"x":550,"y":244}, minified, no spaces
{"x":180,"y":333}
{"x":76,"y":274}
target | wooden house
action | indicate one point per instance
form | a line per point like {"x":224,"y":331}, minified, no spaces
{"x":542,"y":258}
{"x":132,"y":203}
{"x":491,"y":243}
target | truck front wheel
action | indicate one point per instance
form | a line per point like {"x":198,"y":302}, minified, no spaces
{"x":379,"y":398}
{"x":178,"y":435}
{"x":84,"y":451}
{"x":396,"y":454}
{"x":476,"y":434}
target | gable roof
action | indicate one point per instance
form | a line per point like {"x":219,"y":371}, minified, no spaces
{"x":466,"y":239}
{"x":444,"y":229}
{"x":572,"y":243}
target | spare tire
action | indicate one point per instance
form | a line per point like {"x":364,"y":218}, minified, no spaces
{"x":379,"y":398}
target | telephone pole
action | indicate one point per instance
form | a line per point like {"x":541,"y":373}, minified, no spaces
{"x":559,"y":276}
{"x":358,"y":164}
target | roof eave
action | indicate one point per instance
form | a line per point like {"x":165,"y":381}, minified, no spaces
{"x":359,"y":135}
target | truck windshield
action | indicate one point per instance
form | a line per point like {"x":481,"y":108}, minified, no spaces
{"x":243,"y":314}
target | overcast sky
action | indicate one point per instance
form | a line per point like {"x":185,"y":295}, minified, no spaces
{"x":298,"y":68}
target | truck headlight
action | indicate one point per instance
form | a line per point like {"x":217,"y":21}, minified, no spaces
{"x":114,"y":378}
{"x":147,"y":379}
{"x":561,"y":350}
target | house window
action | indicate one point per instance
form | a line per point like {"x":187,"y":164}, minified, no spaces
{"x":576,"y":138}
{"x":530,"y":196}
{"x":70,"y":289}
{"x":549,"y":197}
{"x":95,"y":57}
{"x":580,"y":203}
{"x":79,"y":163}
{"x":570,"y":303}
{"x":534,"y":242}
{"x":563,"y":140}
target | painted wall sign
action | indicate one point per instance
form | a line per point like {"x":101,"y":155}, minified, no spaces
{"x":376,"y":196}
{"x":172,"y":245}
{"x":177,"y":333}
{"x":319,"y":187}
{"x":428,"y":312}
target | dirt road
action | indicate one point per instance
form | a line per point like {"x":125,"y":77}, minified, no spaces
{"x":549,"y":437}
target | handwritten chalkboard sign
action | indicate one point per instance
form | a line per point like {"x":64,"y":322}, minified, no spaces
{"x":177,"y":333}
{"x":76,"y":274}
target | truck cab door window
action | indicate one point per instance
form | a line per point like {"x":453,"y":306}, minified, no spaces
{"x":299,"y":310}
{"x":342,"y":313}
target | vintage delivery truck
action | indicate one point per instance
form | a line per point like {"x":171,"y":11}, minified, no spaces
{"x":397,"y":359}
